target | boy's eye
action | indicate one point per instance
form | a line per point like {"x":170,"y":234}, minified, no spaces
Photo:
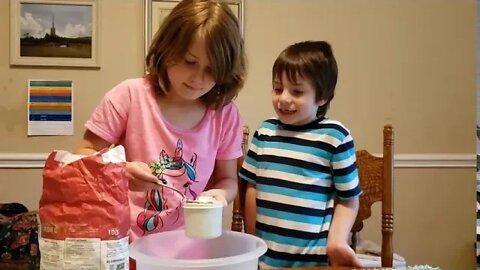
{"x":277,"y":90}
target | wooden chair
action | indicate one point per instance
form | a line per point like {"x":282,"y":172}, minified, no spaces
{"x":376,"y":180}
{"x":239,"y":202}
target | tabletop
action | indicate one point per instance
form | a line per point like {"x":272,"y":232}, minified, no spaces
{"x":332,"y":268}
{"x":321,"y":268}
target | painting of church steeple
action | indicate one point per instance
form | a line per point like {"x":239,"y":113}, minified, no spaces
{"x":57,"y":30}
{"x":52,"y":29}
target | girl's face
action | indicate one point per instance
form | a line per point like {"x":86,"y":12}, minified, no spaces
{"x":294,"y":102}
{"x":191,"y":76}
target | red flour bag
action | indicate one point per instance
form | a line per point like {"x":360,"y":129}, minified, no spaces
{"x":84,"y":211}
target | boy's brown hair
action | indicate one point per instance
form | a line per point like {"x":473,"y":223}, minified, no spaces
{"x":216,"y":24}
{"x":312,"y":60}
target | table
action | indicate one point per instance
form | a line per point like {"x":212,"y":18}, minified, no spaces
{"x":332,"y":268}
{"x":321,"y":268}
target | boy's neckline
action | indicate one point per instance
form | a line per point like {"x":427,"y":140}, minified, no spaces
{"x":304,"y":126}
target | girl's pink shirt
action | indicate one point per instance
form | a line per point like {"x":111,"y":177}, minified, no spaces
{"x":129,"y":115}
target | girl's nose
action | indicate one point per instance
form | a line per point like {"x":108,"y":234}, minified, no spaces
{"x":198,"y":76}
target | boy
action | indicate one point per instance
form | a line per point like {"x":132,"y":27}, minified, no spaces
{"x":299,"y":164}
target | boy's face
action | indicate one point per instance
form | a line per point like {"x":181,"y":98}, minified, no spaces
{"x":294,"y":102}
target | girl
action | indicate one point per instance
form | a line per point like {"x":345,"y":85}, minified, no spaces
{"x":178,"y":121}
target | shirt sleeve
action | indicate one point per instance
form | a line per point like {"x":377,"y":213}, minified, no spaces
{"x":248,"y":172}
{"x":231,"y":136}
{"x":109,"y":119}
{"x":345,"y":173}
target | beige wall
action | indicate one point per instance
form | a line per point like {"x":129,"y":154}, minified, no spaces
{"x":410,"y":63}
{"x":121,"y":52}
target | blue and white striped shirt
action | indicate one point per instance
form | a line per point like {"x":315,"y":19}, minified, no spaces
{"x":298,"y":172}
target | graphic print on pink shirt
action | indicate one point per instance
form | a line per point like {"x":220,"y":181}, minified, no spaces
{"x":175,"y":173}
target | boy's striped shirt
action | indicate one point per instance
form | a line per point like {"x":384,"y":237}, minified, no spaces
{"x":298,"y":172}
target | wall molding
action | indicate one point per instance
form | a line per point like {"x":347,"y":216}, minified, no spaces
{"x":37,"y":160}
{"x":22,"y":160}
{"x":435,"y":161}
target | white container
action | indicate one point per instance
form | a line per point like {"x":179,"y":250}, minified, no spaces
{"x":173,"y":250}
{"x":203,"y":218}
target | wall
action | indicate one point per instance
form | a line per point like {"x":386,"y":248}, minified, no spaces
{"x":410,"y":63}
{"x":121,"y":54}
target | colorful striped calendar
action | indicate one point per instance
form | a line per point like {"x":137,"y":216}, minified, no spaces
{"x":50,"y":107}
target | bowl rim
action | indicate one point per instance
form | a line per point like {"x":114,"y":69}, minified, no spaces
{"x":261,"y":248}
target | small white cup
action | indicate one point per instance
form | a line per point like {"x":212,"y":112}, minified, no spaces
{"x":203,"y":218}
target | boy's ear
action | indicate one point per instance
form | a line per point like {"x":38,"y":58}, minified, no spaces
{"x":322,"y":102}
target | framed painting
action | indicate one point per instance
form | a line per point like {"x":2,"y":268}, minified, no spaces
{"x":54,"y":33}
{"x":157,"y":10}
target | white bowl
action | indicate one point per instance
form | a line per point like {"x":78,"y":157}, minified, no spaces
{"x":174,"y":250}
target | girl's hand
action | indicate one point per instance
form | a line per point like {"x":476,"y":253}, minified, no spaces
{"x":140,"y":177}
{"x":341,"y":254}
{"x":218,"y":194}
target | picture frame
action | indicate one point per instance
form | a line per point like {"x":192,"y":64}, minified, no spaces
{"x":157,"y":10}
{"x":59,"y":33}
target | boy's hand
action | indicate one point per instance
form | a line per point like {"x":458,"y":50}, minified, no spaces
{"x":341,"y":254}
{"x":140,"y":177}
{"x":217,"y":194}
